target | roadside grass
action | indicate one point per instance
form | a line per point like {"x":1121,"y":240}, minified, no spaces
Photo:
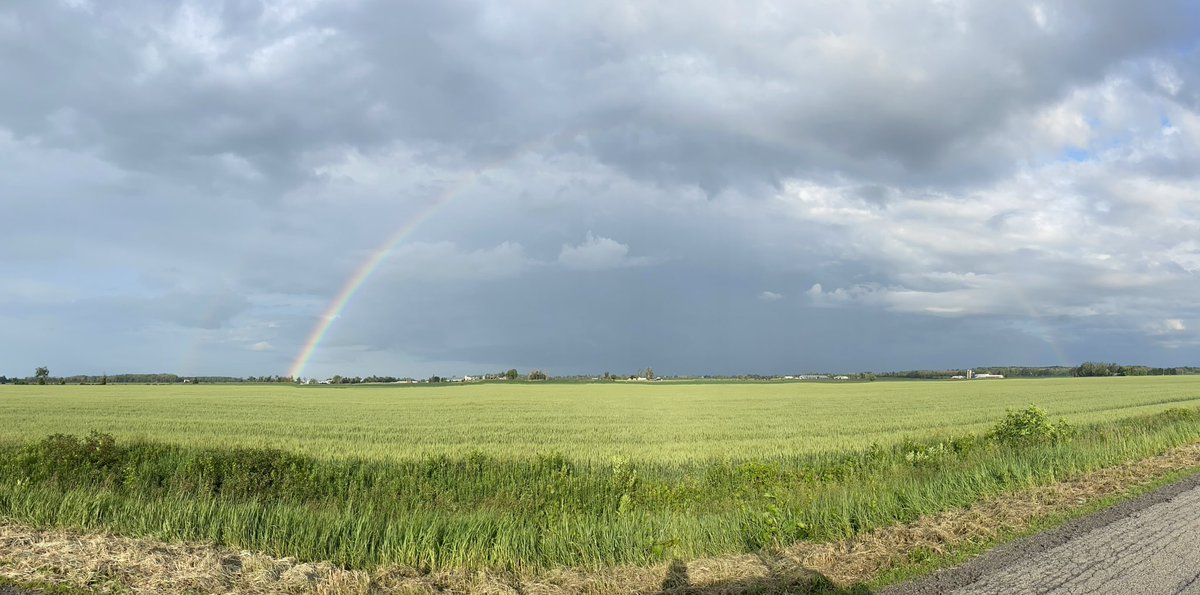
{"x":925,"y":561}
{"x":928,"y":560}
{"x":42,"y":587}
{"x":111,"y":563}
{"x":477,"y":511}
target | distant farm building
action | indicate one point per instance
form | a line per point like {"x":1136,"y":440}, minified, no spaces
{"x":971,"y":375}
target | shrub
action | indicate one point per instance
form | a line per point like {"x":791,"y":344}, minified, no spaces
{"x":1178,"y":414}
{"x":252,"y":472}
{"x":1030,"y":425}
{"x":927,"y":455}
{"x":62,"y":457}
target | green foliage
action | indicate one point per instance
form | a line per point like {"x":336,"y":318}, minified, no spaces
{"x":1030,"y":425}
{"x":538,"y":375}
{"x":66,"y":458}
{"x":249,"y":472}
{"x":538,"y":510}
{"x":1178,"y":414}
{"x":1111,"y":369}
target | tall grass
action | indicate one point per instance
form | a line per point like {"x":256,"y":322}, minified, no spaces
{"x":478,"y":510}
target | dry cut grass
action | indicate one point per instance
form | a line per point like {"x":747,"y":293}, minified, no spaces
{"x":109,"y":563}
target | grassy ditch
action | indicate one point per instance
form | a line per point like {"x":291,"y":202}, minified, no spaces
{"x":544,"y":511}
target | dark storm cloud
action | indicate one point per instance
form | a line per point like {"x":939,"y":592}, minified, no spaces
{"x":899,"y":93}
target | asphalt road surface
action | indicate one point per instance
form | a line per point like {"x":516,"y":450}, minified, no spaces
{"x":10,"y":590}
{"x":1149,"y":545}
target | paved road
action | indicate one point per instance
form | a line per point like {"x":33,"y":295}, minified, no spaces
{"x":10,"y":590}
{"x":1148,"y":545}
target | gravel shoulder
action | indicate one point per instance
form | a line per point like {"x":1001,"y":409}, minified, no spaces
{"x":1144,"y":545}
{"x":11,"y":590}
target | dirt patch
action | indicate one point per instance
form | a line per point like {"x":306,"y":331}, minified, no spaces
{"x":114,"y":563}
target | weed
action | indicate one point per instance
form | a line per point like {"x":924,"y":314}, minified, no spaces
{"x":1030,"y":425}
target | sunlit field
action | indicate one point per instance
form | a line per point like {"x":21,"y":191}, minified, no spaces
{"x":595,"y":422}
{"x":516,"y":476}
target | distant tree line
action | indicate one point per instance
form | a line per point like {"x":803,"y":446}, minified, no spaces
{"x":1105,"y":369}
{"x":339,"y":379}
{"x":1084,"y":369}
{"x":1007,"y":371}
{"x":42,"y":375}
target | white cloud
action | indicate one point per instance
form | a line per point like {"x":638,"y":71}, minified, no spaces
{"x":1060,"y":238}
{"x":83,"y":5}
{"x":1167,"y":78}
{"x":1174,"y":333}
{"x":1168,"y":326}
{"x":598,"y":253}
{"x":262,"y":346}
{"x":770,"y":296}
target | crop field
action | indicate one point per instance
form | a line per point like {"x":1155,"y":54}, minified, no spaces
{"x":593,"y":422}
{"x":530,"y":476}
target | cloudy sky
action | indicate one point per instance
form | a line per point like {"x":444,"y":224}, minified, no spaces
{"x":701,"y":187}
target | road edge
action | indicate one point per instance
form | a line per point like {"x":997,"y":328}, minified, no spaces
{"x":948,"y":579}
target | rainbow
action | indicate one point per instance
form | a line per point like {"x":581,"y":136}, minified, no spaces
{"x":371,"y":264}
{"x":364,"y":272}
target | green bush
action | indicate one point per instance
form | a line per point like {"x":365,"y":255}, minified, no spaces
{"x":247,"y":472}
{"x":67,"y":458}
{"x":1030,"y":425}
{"x":1178,"y":414}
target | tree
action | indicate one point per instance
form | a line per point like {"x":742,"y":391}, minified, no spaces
{"x":1096,"y":369}
{"x":537,"y":375}
{"x":42,"y":372}
{"x":104,"y":379}
{"x":649,"y":373}
{"x":512,"y":374}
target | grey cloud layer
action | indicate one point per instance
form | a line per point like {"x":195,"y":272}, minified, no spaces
{"x":711,"y":173}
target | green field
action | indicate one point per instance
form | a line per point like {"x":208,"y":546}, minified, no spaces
{"x":595,"y":422}
{"x":544,"y":475}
